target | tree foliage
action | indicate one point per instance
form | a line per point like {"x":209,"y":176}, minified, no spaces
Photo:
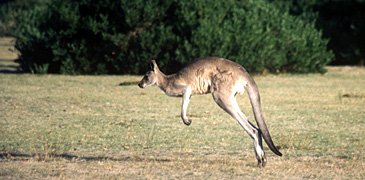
{"x":343,"y":22}
{"x":121,"y":36}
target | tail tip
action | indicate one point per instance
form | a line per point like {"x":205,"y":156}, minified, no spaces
{"x":278,"y":153}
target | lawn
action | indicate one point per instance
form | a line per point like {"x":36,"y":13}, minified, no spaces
{"x":106,"y":127}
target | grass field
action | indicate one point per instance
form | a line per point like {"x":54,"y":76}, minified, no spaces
{"x":105,"y":127}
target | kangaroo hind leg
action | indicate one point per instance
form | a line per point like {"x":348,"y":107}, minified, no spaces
{"x":229,"y":104}
{"x":257,"y":139}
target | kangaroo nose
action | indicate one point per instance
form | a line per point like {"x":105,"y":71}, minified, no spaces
{"x":140,"y":85}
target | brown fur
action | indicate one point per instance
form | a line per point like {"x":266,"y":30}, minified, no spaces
{"x":224,"y":79}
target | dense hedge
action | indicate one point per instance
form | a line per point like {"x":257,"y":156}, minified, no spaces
{"x":343,"y":22}
{"x":11,"y":9}
{"x":116,"y":37}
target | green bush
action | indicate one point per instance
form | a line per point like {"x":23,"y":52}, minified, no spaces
{"x":85,"y":37}
{"x":256,"y":35}
{"x":10,"y":9}
{"x":118,"y":37}
{"x":341,"y":21}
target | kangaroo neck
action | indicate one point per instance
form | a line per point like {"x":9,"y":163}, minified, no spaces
{"x":162,"y":80}
{"x":167,"y":83}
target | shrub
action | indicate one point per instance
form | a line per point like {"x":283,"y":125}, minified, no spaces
{"x":10,"y":9}
{"x":341,"y":21}
{"x":86,"y":37}
{"x":114,"y":37}
{"x":256,"y":35}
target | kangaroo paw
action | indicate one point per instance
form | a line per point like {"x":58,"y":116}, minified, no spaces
{"x":187,"y":122}
{"x":261,"y":163}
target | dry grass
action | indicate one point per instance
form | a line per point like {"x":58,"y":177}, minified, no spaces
{"x":105,"y":127}
{"x":7,"y":55}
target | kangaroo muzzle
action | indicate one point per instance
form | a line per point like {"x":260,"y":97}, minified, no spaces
{"x":140,"y":85}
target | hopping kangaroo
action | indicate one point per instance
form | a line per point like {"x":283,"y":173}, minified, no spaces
{"x":224,"y":79}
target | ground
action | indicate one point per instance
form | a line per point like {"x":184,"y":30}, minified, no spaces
{"x":106,"y":127}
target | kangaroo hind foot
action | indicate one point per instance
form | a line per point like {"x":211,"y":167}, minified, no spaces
{"x":259,"y":149}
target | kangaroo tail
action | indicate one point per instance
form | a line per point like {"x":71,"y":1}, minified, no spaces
{"x":254,"y":95}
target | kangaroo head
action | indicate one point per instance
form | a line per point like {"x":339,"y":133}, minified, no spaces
{"x":150,"y":77}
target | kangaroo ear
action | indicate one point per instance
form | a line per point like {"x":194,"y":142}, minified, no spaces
{"x":153,"y":65}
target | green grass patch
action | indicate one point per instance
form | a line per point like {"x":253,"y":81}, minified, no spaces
{"x":106,"y":127}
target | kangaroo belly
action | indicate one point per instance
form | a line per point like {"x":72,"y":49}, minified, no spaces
{"x":240,"y":86}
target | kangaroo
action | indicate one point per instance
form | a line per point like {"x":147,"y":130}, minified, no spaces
{"x":224,"y":79}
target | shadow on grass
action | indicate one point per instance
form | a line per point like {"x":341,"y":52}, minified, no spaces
{"x":8,"y":66}
{"x":129,"y":83}
{"x":10,"y":72}
{"x":20,"y":156}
